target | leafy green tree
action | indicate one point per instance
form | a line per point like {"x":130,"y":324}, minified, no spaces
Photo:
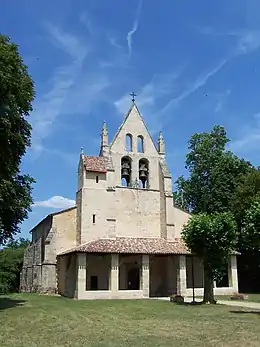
{"x":246,"y":192}
{"x":251,"y":226}
{"x":213,"y":173}
{"x":11,"y":260}
{"x":16,"y":96}
{"x":212,"y":237}
{"x":179,"y":197}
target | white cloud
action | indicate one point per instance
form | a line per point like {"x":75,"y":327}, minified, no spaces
{"x":113,"y":42}
{"x":249,"y":137}
{"x":87,"y":92}
{"x":69,"y":43}
{"x":55,"y":202}
{"x":193,"y":87}
{"x":221,"y":99}
{"x":149,"y":97}
{"x":49,"y":106}
{"x":248,"y":41}
{"x":85,"y":20}
{"x":134,"y":28}
{"x":158,"y":87}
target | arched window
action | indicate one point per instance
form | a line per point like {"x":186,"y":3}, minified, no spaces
{"x":140,"y":144}
{"x":126,"y":170}
{"x":144,"y":173}
{"x":129,"y":143}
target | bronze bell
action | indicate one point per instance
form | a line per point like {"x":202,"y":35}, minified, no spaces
{"x":125,"y":169}
{"x":142,"y":174}
{"x":125,"y":172}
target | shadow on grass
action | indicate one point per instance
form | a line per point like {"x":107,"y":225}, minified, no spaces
{"x":251,"y":312}
{"x":6,"y":303}
{"x":192,"y":303}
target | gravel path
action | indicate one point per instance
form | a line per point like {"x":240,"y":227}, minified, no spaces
{"x":245,"y":304}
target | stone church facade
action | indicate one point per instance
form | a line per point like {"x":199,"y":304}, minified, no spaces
{"x":123,"y":237}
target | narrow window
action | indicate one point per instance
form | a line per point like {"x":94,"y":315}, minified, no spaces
{"x":94,"y":218}
{"x":128,"y":143}
{"x":96,"y":179}
{"x":140,"y":144}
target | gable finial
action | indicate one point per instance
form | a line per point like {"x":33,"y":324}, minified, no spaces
{"x":133,"y":95}
{"x":81,"y":150}
{"x":104,"y":129}
{"x":161,"y":144}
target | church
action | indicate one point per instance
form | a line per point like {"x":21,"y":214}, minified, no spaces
{"x":122,"y":239}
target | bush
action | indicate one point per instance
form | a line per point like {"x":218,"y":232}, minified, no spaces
{"x":238,"y":296}
{"x":176,"y":298}
{"x":11,"y":262}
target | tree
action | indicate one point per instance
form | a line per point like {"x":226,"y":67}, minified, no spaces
{"x":212,"y":237}
{"x":178,"y":196}
{"x":246,"y":192}
{"x":16,"y":96}
{"x":11,"y":260}
{"x":213,"y":173}
{"x":251,"y":226}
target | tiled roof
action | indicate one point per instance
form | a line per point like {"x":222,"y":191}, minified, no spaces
{"x":131,"y":245}
{"x":94,"y":164}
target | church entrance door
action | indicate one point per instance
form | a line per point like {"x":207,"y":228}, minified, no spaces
{"x":133,"y":279}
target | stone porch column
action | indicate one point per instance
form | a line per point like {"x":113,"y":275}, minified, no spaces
{"x":114,"y":274}
{"x":232,"y":273}
{"x":81,"y":275}
{"x":181,"y":276}
{"x":171,"y":275}
{"x":145,"y":278}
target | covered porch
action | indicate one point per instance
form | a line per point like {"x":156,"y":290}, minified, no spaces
{"x":135,"y":269}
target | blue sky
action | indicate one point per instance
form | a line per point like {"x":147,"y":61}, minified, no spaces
{"x":192,"y":64}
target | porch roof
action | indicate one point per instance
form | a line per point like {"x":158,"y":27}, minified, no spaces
{"x":131,"y":245}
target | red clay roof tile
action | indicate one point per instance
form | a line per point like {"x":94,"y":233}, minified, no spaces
{"x":131,"y":245}
{"x":94,"y":164}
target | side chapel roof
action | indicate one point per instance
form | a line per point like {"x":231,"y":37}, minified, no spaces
{"x":94,"y":163}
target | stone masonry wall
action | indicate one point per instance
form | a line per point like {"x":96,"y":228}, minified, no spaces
{"x":53,"y":235}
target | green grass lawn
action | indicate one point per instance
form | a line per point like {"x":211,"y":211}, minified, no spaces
{"x":37,"y":320}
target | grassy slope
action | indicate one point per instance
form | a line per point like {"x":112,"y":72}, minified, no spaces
{"x":55,"y":321}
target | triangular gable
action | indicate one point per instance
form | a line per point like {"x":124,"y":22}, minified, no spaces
{"x":130,"y":111}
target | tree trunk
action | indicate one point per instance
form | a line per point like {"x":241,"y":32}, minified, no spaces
{"x":208,"y":284}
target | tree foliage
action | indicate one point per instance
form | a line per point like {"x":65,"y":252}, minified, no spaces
{"x":251,"y":226}
{"x":209,"y":193}
{"x":246,"y":192}
{"x":11,"y":260}
{"x":179,"y":195}
{"x":212,"y":237}
{"x":16,"y":96}
{"x":213,"y":173}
